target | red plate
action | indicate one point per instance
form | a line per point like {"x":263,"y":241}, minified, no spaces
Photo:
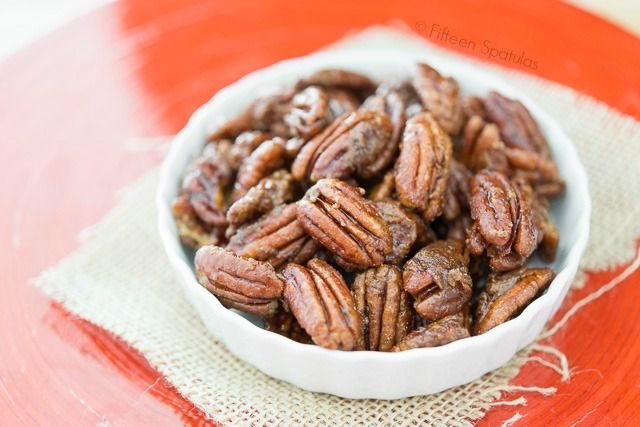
{"x":138,"y":68}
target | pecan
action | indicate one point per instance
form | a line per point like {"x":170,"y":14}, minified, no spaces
{"x":550,"y":236}
{"x":244,"y":145}
{"x":205,"y":182}
{"x":293,"y":147}
{"x":482,"y":147}
{"x":422,"y":169}
{"x":321,"y":302}
{"x":473,"y":106}
{"x":347,"y":147}
{"x":438,"y":278}
{"x":264,"y":160}
{"x":457,"y":199}
{"x":310,"y":112}
{"x":341,"y":219}
{"x":384,"y":307}
{"x":517,"y":128}
{"x":338,"y":79}
{"x":283,"y":323}
{"x":503,"y":220}
{"x":385,"y":189}
{"x":439,"y":95}
{"x":193,"y":232}
{"x":264,"y":114}
{"x":245,"y":284}
{"x":448,"y":329}
{"x":272,"y":191}
{"x":277,"y":238}
{"x":541,"y":173}
{"x":403,"y":228}
{"x":392,"y":104}
{"x":507,"y":294}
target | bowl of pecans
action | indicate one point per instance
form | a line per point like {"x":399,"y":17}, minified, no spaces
{"x":374,"y":225}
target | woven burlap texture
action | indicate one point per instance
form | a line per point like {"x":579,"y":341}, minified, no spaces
{"x":120,"y":279}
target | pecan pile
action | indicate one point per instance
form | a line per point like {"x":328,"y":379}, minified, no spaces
{"x":373,"y":216}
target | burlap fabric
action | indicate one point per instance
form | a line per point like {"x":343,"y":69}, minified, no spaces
{"x":120,"y":279}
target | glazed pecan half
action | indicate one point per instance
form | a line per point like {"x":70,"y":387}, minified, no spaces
{"x":338,"y":216}
{"x":448,"y":329}
{"x":507,"y":294}
{"x":440,"y":96}
{"x":277,"y":238}
{"x":517,"y":128}
{"x":403,"y":227}
{"x":393,"y":105}
{"x":422,"y":168}
{"x":264,"y":160}
{"x":438,"y":278}
{"x":482,"y":147}
{"x":193,"y":232}
{"x":504,"y":220}
{"x":245,"y":284}
{"x":344,"y":149}
{"x":320,"y":301}
{"x":270,"y":192}
{"x":384,"y":307}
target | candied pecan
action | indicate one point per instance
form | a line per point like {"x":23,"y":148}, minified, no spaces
{"x":342,"y":102}
{"x":193,"y":233}
{"x":385,"y":188}
{"x":321,"y":302}
{"x":245,"y":284}
{"x":274,"y":190}
{"x":265,"y":114}
{"x":439,"y":95}
{"x":341,"y":219}
{"x":265,"y":159}
{"x":506,"y":294}
{"x":392,"y":104}
{"x":482,"y":147}
{"x":541,"y":173}
{"x":438,"y":278}
{"x":384,"y":307}
{"x":473,"y":106}
{"x":205,"y":182}
{"x":422,"y":169}
{"x":244,"y":145}
{"x":457,"y":199}
{"x":550,"y":236}
{"x":283,"y":323}
{"x":310,"y":112}
{"x":443,"y":331}
{"x":276,"y":237}
{"x":517,"y":128}
{"x":403,"y":228}
{"x":424,"y":234}
{"x":347,"y":147}
{"x":336,"y":78}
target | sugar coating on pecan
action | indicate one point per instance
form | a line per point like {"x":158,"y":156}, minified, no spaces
{"x":403,"y":228}
{"x":384,"y":307}
{"x":438,"y":278}
{"x":506,"y":294}
{"x":274,"y":190}
{"x":422,"y":168}
{"x":245,"y":284}
{"x":338,"y":216}
{"x":267,"y":158}
{"x":276,"y":237}
{"x":440,"y":96}
{"x":320,"y":301}
{"x":450,"y":328}
{"x":345,"y":148}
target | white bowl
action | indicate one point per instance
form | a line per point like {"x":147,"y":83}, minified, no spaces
{"x":366,"y":374}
